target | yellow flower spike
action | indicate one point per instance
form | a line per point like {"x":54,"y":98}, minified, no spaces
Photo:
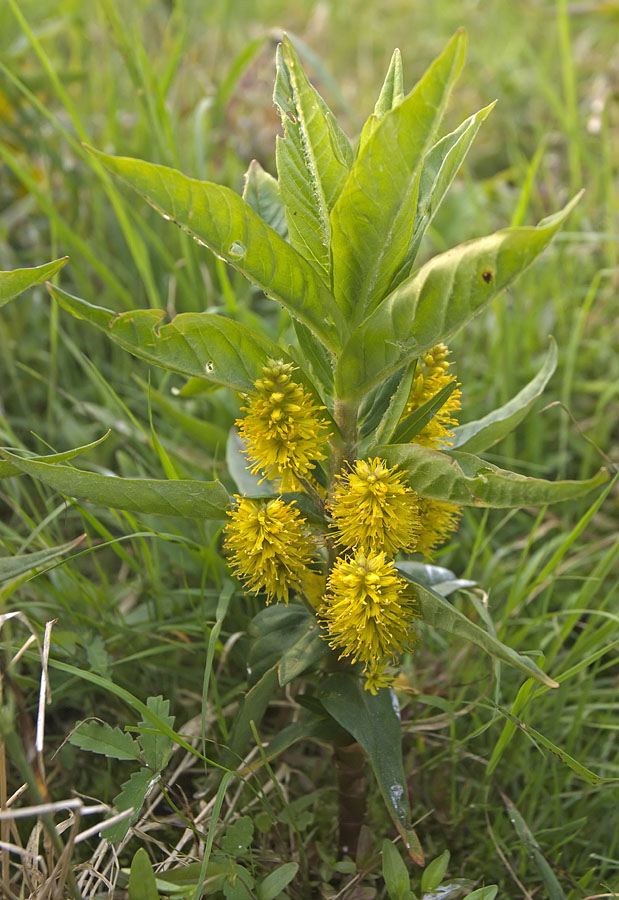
{"x":433,"y":374}
{"x":282,"y":430}
{"x":369,"y":612}
{"x":270,"y":546}
{"x":373,"y":508}
{"x":438,"y":521}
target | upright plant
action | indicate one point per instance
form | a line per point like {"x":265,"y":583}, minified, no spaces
{"x":352,"y":455}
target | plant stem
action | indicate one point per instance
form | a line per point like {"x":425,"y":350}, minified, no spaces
{"x":352,"y":783}
{"x":344,"y":446}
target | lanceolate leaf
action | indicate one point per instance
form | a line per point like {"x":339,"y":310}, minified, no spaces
{"x":196,"y":344}
{"x":474,"y":437}
{"x":373,"y":721}
{"x":440,"y":613}
{"x":391,"y":95}
{"x":7,"y":469}
{"x":190,"y":499}
{"x":439,"y":170}
{"x":413,"y":423}
{"x":467,"y":480}
{"x":435,"y":302}
{"x":382,"y":407}
{"x":315,"y":354}
{"x":228,"y":226}
{"x":313,"y":160}
{"x":372,"y":222}
{"x":19,"y":280}
{"x":262,"y":193}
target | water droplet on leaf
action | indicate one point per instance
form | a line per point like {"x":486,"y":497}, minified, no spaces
{"x":237,"y":250}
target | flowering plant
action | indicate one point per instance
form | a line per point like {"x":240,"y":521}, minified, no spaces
{"x":347,"y":454}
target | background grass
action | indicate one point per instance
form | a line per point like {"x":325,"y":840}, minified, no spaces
{"x":189,"y":84}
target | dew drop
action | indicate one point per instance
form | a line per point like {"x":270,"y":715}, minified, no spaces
{"x":395,"y":792}
{"x":237,"y":250}
{"x":209,"y":367}
{"x":166,"y":217}
{"x":175,"y":391}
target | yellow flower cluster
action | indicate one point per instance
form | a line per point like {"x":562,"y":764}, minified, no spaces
{"x":437,"y":520}
{"x":432,"y":375}
{"x":372,"y":506}
{"x":270,"y":546}
{"x":284,"y":434}
{"x":368,"y":609}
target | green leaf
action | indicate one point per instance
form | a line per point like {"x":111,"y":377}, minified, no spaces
{"x":395,"y":873}
{"x":392,"y":91}
{"x":195,"y":344}
{"x":262,"y":193}
{"x":238,"y":884}
{"x":19,"y":280}
{"x":132,"y":795}
{"x":467,"y":480}
{"x":563,"y":755}
{"x":313,"y":160}
{"x":315,"y":354}
{"x":309,"y":649}
{"x":99,"y":737}
{"x":228,"y":226}
{"x":7,"y":469}
{"x":438,"y":300}
{"x":440,"y":613}
{"x":189,"y":499}
{"x":157,"y":748}
{"x":510,"y":727}
{"x":439,"y":170}
{"x":414,"y":422}
{"x":272,"y":632}
{"x":477,"y":436}
{"x":488,"y":892}
{"x":132,"y":701}
{"x":374,"y":722}
{"x":372,"y":221}
{"x":142,"y":885}
{"x":388,"y":403}
{"x":14,"y":566}
{"x":274,"y":884}
{"x":553,"y":889}
{"x":238,"y":837}
{"x":391,"y":95}
{"x":434,"y":872}
{"x":252,"y":709}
